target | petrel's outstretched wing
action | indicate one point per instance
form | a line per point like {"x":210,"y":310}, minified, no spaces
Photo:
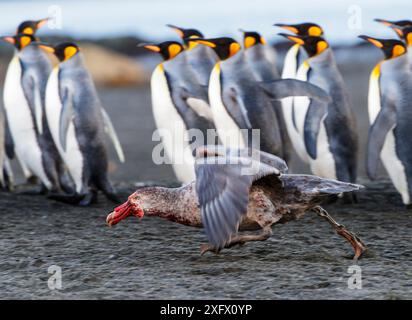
{"x":222,"y":186}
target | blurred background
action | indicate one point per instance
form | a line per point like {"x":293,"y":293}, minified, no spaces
{"x":109,"y":31}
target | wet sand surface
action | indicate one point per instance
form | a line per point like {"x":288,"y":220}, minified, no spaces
{"x":153,"y":258}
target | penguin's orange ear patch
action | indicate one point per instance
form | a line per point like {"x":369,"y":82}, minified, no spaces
{"x":192,"y":44}
{"x":321,"y":46}
{"x":249,"y":42}
{"x":24,"y":41}
{"x":397,"y":51}
{"x":262,"y":40}
{"x":409,"y":39}
{"x":174,"y":50}
{"x":69,"y":52}
{"x":234,"y":48}
{"x":28,"y":30}
{"x":315,"y":31}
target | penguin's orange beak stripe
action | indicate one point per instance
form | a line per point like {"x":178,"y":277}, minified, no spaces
{"x":42,"y":22}
{"x":289,"y":28}
{"x":205,"y":42}
{"x":384,"y":22}
{"x":375,"y":42}
{"x":296,"y":39}
{"x":9,"y":40}
{"x":177,"y":30}
{"x":152,"y":47}
{"x":46,"y":48}
{"x":398,"y":31}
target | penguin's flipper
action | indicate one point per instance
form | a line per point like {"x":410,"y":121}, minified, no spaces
{"x":32,"y":93}
{"x":66,"y":117}
{"x":283,"y":88}
{"x":197,"y":102}
{"x":384,"y":122}
{"x":236,"y":108}
{"x":38,"y":110}
{"x":316,"y":113}
{"x":9,"y":141}
{"x":108,"y":127}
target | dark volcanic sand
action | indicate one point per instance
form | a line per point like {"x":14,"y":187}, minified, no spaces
{"x":159,"y":259}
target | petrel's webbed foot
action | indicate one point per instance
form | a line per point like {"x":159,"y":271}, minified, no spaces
{"x":205,"y":247}
{"x":238,"y":240}
{"x":358,"y":246}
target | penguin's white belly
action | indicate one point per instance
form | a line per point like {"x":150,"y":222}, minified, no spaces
{"x":227,"y":129}
{"x":301,"y":106}
{"x":390,"y":160}
{"x":21,"y":124}
{"x":289,"y":72}
{"x":324,"y":165}
{"x":72,"y":157}
{"x":171,"y":128}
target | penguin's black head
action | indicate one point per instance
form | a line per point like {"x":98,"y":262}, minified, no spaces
{"x":168,"y":49}
{"x":31,"y":26}
{"x":313,"y":45}
{"x":397,"y":26}
{"x":63,"y":51}
{"x":391,"y":48}
{"x":224,"y":47}
{"x":303,"y":29}
{"x":407,"y":34}
{"x":186,"y":35}
{"x":252,"y":38}
{"x":20,"y":41}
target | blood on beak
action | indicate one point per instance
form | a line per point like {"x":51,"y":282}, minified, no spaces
{"x":124,"y":210}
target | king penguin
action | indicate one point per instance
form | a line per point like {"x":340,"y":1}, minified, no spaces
{"x":403,"y":29}
{"x":77,"y":124}
{"x":201,"y":59}
{"x":390,"y":116}
{"x":264,"y":67}
{"x":24,"y":94}
{"x":293,"y":60}
{"x":180,"y":108}
{"x":328,"y":130}
{"x":241,"y":105}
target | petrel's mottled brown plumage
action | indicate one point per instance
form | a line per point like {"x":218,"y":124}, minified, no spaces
{"x":238,"y":190}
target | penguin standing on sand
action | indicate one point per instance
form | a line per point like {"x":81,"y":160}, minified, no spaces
{"x":390,"y":116}
{"x":265,"y":69}
{"x":293,"y":60}
{"x":77,"y":124}
{"x":328,"y":130}
{"x":240,"y":103}
{"x":29,"y":135}
{"x":179,"y":105}
{"x":201,"y":59}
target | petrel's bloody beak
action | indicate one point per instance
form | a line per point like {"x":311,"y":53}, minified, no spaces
{"x":124,"y":210}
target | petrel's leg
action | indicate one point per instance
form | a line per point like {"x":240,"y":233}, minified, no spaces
{"x":353,"y":239}
{"x":239,"y":240}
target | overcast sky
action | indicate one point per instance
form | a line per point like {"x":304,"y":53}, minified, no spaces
{"x":213,"y":17}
